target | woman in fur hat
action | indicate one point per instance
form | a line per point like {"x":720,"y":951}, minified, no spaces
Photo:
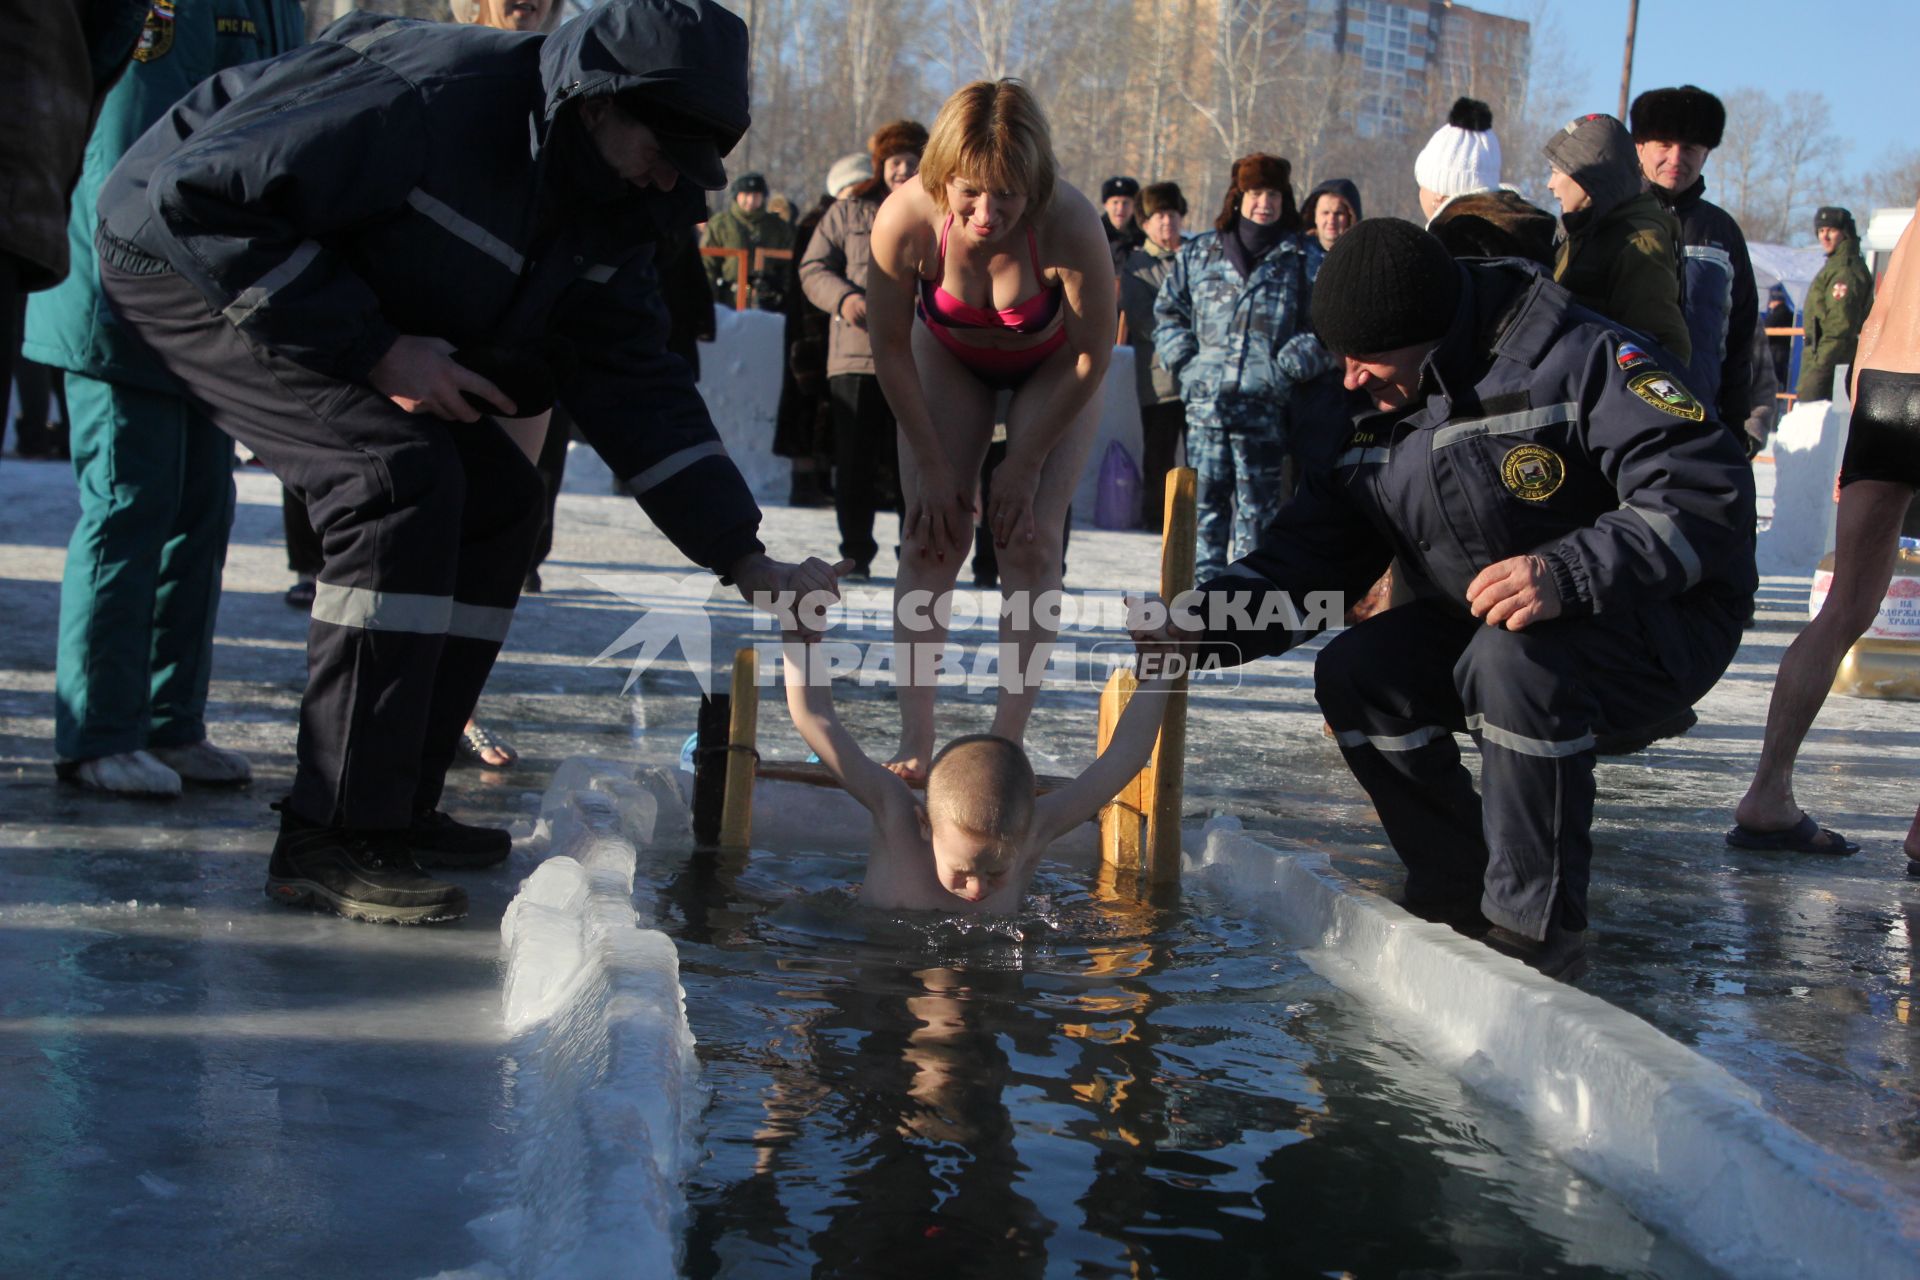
{"x":1013,"y":286}
{"x":1235,"y":298}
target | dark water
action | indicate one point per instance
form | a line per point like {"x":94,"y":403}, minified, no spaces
{"x":1089,"y":1090}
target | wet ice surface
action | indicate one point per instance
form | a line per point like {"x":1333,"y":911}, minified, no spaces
{"x":219,"y":1086}
{"x":1090,"y":1089}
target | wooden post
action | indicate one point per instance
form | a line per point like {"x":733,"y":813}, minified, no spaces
{"x":1167,"y":773}
{"x":736,"y":814}
{"x":1121,"y":819}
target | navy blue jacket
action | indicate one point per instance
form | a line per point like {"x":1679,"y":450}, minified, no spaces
{"x":1542,"y":429}
{"x":423,"y":178}
{"x":1719,"y":300}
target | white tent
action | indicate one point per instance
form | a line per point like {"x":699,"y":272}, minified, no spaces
{"x":1794,"y":268}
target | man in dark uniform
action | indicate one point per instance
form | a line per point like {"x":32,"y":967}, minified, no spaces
{"x":1674,"y":131}
{"x":356,"y":256}
{"x":1577,"y":532}
{"x":1124,"y":233}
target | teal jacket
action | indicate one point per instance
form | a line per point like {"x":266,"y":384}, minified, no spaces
{"x":184,"y":42}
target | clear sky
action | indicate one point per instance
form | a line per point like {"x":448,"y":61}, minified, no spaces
{"x":1863,"y":54}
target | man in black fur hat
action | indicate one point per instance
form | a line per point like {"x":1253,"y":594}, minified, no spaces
{"x":1674,"y":130}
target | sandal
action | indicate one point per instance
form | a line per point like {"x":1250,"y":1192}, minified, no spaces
{"x":476,"y":740}
{"x":1804,"y":836}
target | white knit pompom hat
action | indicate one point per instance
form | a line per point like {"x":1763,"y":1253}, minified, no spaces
{"x":1464,"y":153}
{"x":855,"y":166}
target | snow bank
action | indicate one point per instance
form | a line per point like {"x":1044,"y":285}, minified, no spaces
{"x":605,"y":1088}
{"x":740,"y":381}
{"x":1806,"y":460}
{"x":1688,"y":1147}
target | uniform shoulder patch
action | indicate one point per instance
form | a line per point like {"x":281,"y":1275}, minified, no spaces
{"x":1628,"y":356}
{"x":1839,"y":288}
{"x":1664,"y":392}
{"x":156,"y":33}
{"x":1533,"y":472}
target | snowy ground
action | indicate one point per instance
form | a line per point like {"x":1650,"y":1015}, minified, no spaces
{"x":232,"y":1088}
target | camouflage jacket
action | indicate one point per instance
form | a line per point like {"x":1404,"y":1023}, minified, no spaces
{"x":1227,"y":338}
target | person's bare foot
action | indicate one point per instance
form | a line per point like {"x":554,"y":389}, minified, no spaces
{"x":1757,"y":814}
{"x":480,"y":745}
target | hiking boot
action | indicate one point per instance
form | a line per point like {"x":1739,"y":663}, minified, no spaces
{"x":362,"y":875}
{"x":1562,"y":956}
{"x":125,"y":773}
{"x":205,"y":764}
{"x":435,"y":840}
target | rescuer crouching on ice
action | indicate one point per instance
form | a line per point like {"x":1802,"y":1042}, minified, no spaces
{"x":1577,"y":531}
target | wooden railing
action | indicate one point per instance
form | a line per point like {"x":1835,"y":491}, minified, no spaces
{"x":742,"y":281}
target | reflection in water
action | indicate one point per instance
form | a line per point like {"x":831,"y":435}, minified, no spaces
{"x":1093,"y":1089}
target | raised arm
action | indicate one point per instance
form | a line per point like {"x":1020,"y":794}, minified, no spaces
{"x":810,"y":703}
{"x":1127,"y":753}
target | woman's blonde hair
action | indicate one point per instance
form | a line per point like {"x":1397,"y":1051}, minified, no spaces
{"x":994,"y":133}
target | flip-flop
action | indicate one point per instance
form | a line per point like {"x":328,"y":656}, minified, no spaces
{"x":476,"y":740}
{"x":1804,"y":836}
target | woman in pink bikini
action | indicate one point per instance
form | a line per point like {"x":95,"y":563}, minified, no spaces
{"x":988,"y":275}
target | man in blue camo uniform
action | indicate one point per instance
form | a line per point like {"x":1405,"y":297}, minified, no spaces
{"x":1577,"y":533}
{"x":1236,"y":297}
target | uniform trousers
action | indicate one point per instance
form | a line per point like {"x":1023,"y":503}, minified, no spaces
{"x":426,"y":528}
{"x":1397,"y":687}
{"x":141,"y":588}
{"x":1238,"y":489}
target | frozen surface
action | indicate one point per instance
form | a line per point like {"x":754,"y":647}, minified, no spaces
{"x":216,"y":1085}
{"x":1686,"y":1145}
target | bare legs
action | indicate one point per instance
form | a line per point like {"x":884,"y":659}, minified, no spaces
{"x":1027,"y":569}
{"x":1866,"y":541}
{"x":963,"y":415}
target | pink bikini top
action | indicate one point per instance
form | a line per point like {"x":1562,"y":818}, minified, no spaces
{"x":1032,"y":315}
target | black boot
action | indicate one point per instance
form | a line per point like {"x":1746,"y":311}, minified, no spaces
{"x":362,"y":875}
{"x":1562,"y":955}
{"x":1462,"y":914}
{"x":435,"y":840}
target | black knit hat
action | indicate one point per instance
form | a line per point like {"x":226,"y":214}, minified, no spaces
{"x":1686,"y":114}
{"x":1385,"y":285}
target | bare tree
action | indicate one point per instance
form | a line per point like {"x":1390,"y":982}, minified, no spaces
{"x":1895,"y":180}
{"x":1252,"y":50}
